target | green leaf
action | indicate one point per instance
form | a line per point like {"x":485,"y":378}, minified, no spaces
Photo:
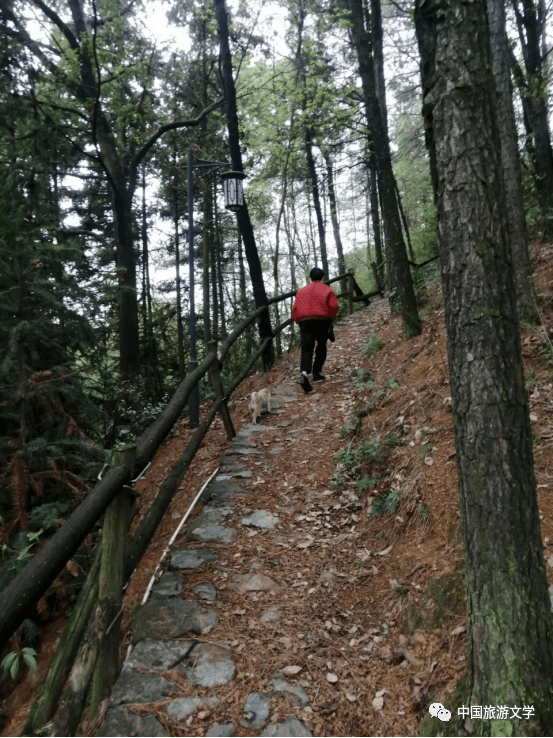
{"x":29,"y":655}
{"x":10,"y":663}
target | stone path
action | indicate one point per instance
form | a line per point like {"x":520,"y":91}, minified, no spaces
{"x":173,"y":632}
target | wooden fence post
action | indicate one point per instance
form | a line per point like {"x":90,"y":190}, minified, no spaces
{"x":351,"y":272}
{"x":110,"y":591}
{"x":52,"y":684}
{"x":215,"y":376}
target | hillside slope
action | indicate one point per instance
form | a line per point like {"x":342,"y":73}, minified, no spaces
{"x":365,"y":615}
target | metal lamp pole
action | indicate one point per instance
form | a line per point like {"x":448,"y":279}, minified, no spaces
{"x":194,"y":399}
{"x":233,"y":195}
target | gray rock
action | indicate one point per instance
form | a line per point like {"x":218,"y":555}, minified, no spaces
{"x":247,"y":430}
{"x":234,"y":473}
{"x":252,"y":583}
{"x":261,"y":519}
{"x":206,"y":591}
{"x":256,"y":710}
{"x":289,"y":728}
{"x":242,"y":442}
{"x":120,"y":722}
{"x":212,"y":534}
{"x":222,"y":491}
{"x":133,"y":687}
{"x":208,"y":665}
{"x":271,"y":614}
{"x":276,"y":451}
{"x":164,"y":619}
{"x":168,"y":586}
{"x":191,"y":558}
{"x":213,"y":515}
{"x":326,"y":576}
{"x":298,"y":694}
{"x":222,"y":729}
{"x":243,"y":451}
{"x":157,"y":655}
{"x":183,"y":707}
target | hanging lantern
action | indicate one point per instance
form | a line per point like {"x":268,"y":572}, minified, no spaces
{"x":232,"y":190}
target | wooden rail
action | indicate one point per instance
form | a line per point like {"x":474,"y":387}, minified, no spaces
{"x":105,"y":579}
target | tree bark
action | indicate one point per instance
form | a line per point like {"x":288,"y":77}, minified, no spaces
{"x":334,"y":218}
{"x":373,"y":186}
{"x":510,"y":629}
{"x":308,"y":140}
{"x":400,"y":273}
{"x":243,"y":216}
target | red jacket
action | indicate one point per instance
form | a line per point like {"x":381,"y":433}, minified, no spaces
{"x":316,"y":300}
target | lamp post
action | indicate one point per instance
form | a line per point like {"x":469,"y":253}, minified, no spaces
{"x":234,"y":199}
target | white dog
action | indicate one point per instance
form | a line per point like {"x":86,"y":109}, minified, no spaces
{"x":259,"y":400}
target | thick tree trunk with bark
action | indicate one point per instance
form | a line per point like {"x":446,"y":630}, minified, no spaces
{"x":510,"y":644}
{"x":399,"y":274}
{"x":510,"y":162}
{"x":243,"y":216}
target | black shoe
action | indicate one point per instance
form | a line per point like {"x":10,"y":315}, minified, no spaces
{"x":305,"y":384}
{"x":318,"y":377}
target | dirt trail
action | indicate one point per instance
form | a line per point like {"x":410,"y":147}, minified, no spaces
{"x":363,"y":623}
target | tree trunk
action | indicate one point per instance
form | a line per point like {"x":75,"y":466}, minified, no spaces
{"x":373,"y":186}
{"x":129,"y":355}
{"x":510,"y":162}
{"x":242,"y":274}
{"x":374,"y":23}
{"x":534,"y":98}
{"x":243,"y":216}
{"x":510,"y":628}
{"x":405,"y":223}
{"x":334,"y":218}
{"x":400,"y":274}
{"x":316,"y":198}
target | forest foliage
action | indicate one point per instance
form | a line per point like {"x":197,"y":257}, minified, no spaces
{"x":97,"y":116}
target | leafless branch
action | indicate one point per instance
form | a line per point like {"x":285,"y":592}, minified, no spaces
{"x":171,"y":127}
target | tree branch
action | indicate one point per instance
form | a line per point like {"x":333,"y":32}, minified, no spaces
{"x":32,"y":45}
{"x":171,"y":127}
{"x":54,"y":17}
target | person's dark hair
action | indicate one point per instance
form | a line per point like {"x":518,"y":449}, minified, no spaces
{"x":316,"y":274}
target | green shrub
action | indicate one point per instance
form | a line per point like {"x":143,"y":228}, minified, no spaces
{"x":386,"y":502}
{"x":375,"y":344}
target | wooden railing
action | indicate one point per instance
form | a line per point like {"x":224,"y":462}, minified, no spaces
{"x":84,"y":653}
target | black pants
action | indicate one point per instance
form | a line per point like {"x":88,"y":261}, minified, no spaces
{"x":311,"y":331}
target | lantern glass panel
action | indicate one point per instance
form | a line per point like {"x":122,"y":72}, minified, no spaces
{"x":233,"y":192}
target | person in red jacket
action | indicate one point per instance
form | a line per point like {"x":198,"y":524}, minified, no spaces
{"x":314,"y":310}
